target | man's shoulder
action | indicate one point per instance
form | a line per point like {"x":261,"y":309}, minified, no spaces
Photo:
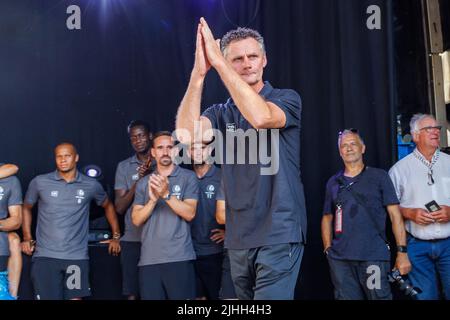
{"x":333,"y":180}
{"x":402,"y":163}
{"x":125,"y":162}
{"x":44,"y":177}
{"x":9,"y":180}
{"x":186,"y":173}
{"x":378,"y":172}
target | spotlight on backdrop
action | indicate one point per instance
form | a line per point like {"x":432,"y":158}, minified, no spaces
{"x":93,"y":171}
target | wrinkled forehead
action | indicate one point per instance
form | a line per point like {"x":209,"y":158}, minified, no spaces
{"x":349,"y":137}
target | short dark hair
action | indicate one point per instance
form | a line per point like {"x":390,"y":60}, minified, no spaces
{"x":241,"y":34}
{"x":138,"y":123}
{"x":160,"y":134}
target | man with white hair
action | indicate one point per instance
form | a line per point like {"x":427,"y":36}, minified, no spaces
{"x":422,"y":183}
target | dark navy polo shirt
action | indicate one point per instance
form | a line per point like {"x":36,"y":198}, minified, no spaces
{"x":360,"y":239}
{"x":63,"y":214}
{"x":166,"y":237}
{"x":205,"y":217}
{"x":10,"y":195}
{"x":263,"y":209}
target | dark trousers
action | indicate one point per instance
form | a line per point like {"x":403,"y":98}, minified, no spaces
{"x":266,"y":273}
{"x":360,"y":280}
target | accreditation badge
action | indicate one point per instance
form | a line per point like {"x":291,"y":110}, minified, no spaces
{"x":338,"y":219}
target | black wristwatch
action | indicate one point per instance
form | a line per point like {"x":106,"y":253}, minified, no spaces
{"x":402,"y":249}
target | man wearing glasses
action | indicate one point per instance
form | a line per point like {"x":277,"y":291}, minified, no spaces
{"x":353,"y":226}
{"x":422,"y":182}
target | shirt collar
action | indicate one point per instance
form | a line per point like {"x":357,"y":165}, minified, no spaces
{"x":134,"y":159}
{"x":174,"y":173}
{"x":58,"y":177}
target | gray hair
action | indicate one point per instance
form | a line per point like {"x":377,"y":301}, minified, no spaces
{"x":346,"y":132}
{"x":241,"y":34}
{"x":417,"y":119}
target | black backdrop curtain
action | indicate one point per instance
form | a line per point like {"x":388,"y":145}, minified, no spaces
{"x":132,"y":60}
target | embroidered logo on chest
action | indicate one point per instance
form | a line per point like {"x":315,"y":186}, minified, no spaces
{"x":210,"y":191}
{"x":80,"y":195}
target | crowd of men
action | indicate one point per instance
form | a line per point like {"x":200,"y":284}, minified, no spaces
{"x":174,"y":240}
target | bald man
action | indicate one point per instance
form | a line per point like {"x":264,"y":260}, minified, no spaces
{"x":60,"y":264}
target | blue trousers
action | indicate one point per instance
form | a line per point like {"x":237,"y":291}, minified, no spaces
{"x":430,"y":261}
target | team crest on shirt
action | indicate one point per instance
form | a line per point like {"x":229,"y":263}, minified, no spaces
{"x":54,"y":194}
{"x":176,"y":191}
{"x":135,"y":177}
{"x":80,"y":195}
{"x":2,"y":192}
{"x":210,"y":191}
{"x":231,"y":127}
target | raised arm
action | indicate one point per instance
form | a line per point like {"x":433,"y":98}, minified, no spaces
{"x":189,"y":110}
{"x":7,"y":170}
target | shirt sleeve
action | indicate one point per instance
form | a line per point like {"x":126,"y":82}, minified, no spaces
{"x":388,"y":190}
{"x":396,"y":181}
{"x":220,"y":193}
{"x":32,"y":195}
{"x":16,"y":193}
{"x":99,"y":194}
{"x":290,"y":102}
{"x":328,"y":205}
{"x":191,"y":191}
{"x":120,"y":180}
{"x":139,"y":194}
{"x":211,"y":114}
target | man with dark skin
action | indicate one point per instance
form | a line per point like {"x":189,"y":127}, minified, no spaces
{"x":128,"y":173}
{"x":60,"y":267}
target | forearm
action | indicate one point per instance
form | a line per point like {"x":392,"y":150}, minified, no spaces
{"x":398,"y":226}
{"x":26,"y":223}
{"x":327,"y":230}
{"x":122,"y":203}
{"x":407,"y":213}
{"x":140,"y":214}
{"x":185,"y":210}
{"x":189,"y":109}
{"x":7,"y":170}
{"x":10,"y":224}
{"x":111,"y":216}
{"x":252,"y":106}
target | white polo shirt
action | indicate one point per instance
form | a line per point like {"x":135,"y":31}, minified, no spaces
{"x":410,"y":178}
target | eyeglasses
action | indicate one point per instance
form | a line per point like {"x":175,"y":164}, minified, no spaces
{"x":431,"y":128}
{"x":352,"y":130}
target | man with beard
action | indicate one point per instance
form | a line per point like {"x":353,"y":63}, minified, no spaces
{"x":164,"y":204}
{"x":60,"y":265}
{"x":128,"y":173}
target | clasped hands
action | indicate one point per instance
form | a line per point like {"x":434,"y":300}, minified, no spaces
{"x":158,"y":187}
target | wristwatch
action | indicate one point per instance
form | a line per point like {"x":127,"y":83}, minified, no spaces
{"x":402,"y":249}
{"x":167,"y":197}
